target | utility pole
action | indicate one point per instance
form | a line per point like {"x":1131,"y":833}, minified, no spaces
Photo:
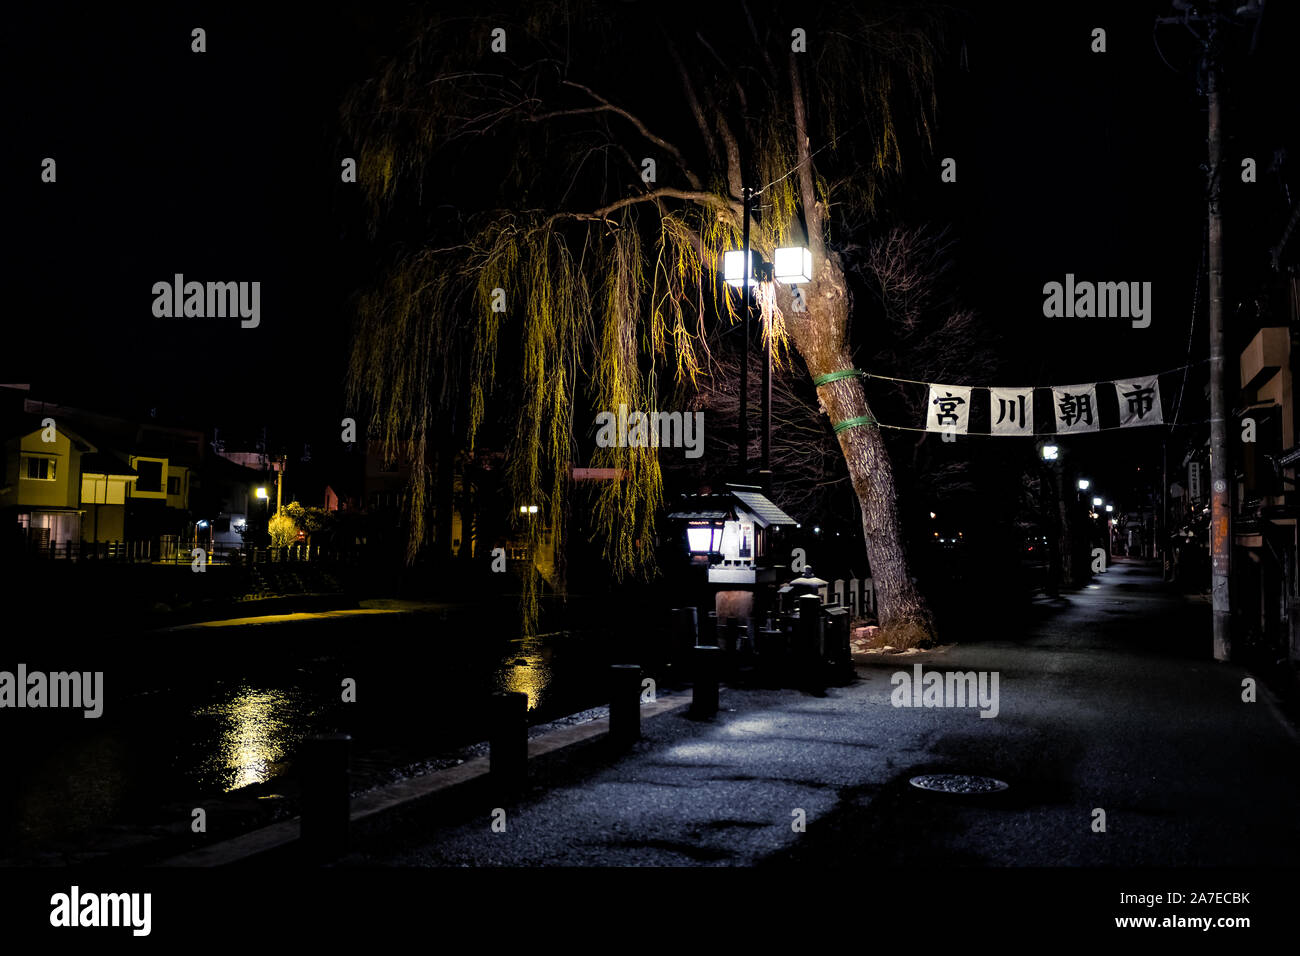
{"x":743,"y":427}
{"x":1220,"y":502}
{"x":279,"y":480}
{"x":1220,"y":511}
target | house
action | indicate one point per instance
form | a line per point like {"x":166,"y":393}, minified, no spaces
{"x":1266,"y":587}
{"x":75,"y":475}
{"x":60,"y":489}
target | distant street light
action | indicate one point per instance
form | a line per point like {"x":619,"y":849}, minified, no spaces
{"x":1110,"y":507}
{"x":1050,"y":452}
{"x":1096,"y":501}
{"x":1084,"y":484}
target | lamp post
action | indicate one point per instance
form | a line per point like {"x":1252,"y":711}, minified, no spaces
{"x":1052,"y":518}
{"x":792,"y":265}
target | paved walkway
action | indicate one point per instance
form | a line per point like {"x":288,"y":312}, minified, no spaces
{"x":1110,"y":702}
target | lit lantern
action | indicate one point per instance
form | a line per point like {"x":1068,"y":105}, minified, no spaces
{"x":733,"y":268}
{"x":704,"y":537}
{"x":792,"y":265}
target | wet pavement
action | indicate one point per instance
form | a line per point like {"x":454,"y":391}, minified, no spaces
{"x":1109,"y":702}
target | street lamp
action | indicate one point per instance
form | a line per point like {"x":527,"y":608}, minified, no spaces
{"x":1084,"y":484}
{"x":733,"y":267}
{"x":793,"y":264}
{"x":1096,"y":502}
{"x":1050,"y":452}
{"x":1110,"y":508}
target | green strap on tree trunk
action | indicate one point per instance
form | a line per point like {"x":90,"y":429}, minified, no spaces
{"x":829,"y":377}
{"x":854,"y":422}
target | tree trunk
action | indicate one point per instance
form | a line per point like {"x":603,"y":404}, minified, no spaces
{"x":820,"y":336}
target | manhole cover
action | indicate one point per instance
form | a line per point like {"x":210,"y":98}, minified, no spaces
{"x":957,"y":783}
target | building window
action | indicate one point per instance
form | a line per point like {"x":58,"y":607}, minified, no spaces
{"x":173,"y":485}
{"x":150,"y":475}
{"x":38,"y":469}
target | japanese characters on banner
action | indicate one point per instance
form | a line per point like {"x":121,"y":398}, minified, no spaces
{"x":1074,"y":407}
{"x":1011,"y":411}
{"x":949,"y":409}
{"x":1139,"y":402}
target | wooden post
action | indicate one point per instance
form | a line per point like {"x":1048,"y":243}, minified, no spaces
{"x":326,"y":799}
{"x":624,"y":704}
{"x":508,"y":741}
{"x":704,"y":692}
{"x":808,"y":640}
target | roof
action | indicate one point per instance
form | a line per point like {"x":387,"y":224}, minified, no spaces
{"x":103,"y":463}
{"x":765,"y":512}
{"x":748,"y":499}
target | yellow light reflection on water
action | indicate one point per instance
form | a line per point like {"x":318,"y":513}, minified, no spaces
{"x":252,"y":738}
{"x":531,"y":680}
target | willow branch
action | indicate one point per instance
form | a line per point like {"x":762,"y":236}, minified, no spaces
{"x":659,"y":141}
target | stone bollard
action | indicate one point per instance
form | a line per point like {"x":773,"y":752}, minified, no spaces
{"x":709,"y":630}
{"x":839,"y":653}
{"x":770,"y":655}
{"x":326,"y":798}
{"x":624,"y":704}
{"x":508,"y":740}
{"x":727,"y":636}
{"x":808,"y":641}
{"x":704,"y":693}
{"x":685,"y":632}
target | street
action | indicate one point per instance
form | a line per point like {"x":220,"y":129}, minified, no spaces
{"x":1110,"y":702}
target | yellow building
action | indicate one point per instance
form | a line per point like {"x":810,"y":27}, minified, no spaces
{"x":59,"y":489}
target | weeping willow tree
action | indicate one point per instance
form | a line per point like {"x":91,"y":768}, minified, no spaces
{"x":554,"y":194}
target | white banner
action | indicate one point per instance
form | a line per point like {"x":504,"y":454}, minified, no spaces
{"x":1139,"y":402}
{"x":1011,"y":411}
{"x":948,"y":409}
{"x":1075,"y":407}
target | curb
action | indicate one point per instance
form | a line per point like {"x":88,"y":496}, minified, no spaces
{"x":396,"y":795}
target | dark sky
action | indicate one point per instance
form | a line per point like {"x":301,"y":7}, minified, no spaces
{"x":224,"y":166}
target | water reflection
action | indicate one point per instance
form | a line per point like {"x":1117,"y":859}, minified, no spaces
{"x":526,"y":668}
{"x":255,"y":730}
